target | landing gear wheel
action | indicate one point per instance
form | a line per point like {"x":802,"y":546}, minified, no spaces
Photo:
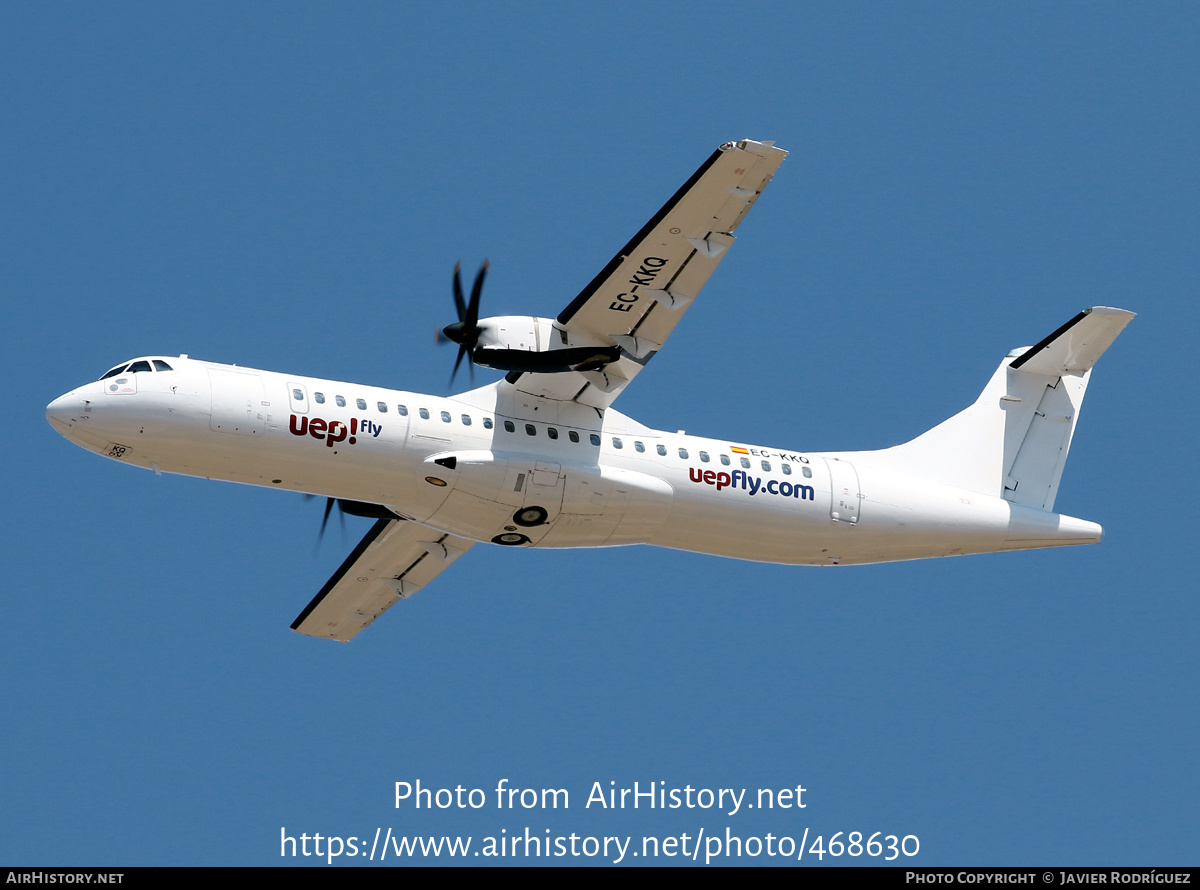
{"x":510,"y":539}
{"x":530,"y":516}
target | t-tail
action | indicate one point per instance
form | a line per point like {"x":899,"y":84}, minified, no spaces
{"x":1013,"y":441}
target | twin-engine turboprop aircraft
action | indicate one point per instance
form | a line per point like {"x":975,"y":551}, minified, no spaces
{"x":541,"y":459}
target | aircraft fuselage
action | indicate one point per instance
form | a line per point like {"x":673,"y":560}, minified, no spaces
{"x":496,"y":465}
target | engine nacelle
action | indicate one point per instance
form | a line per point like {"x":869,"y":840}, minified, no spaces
{"x":528,"y":343}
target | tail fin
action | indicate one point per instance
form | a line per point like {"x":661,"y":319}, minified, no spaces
{"x":1013,"y":441}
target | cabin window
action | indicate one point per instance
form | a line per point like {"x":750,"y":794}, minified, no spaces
{"x":703,"y":457}
{"x":725,"y":460}
{"x":745,"y":462}
{"x":530,"y":429}
{"x":341,"y":401}
{"x":298,"y":395}
{"x":362,"y":404}
{"x":114,"y":372}
{"x":787,"y":471}
{"x":424,"y":412}
{"x":466,"y":419}
{"x":160,"y":365}
{"x":551,"y":432}
{"x":445,"y":417}
{"x":766,"y":465}
{"x":662,"y":450}
{"x":509,"y":426}
{"x":594,"y":439}
{"x":683,"y":453}
{"x":402,"y":410}
{"x":139,"y":366}
{"x":572,"y":435}
{"x":487,"y":423}
{"x":638,"y":446}
{"x":617,"y":443}
{"x":382,"y":406}
{"x":807,"y":472}
{"x":319,"y":398}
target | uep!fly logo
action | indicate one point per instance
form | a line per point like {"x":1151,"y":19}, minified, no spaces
{"x":333,"y":431}
{"x":752,"y":484}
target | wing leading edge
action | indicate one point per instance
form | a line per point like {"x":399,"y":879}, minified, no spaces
{"x":394,"y":560}
{"x":638,"y":298}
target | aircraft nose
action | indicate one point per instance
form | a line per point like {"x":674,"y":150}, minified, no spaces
{"x":64,"y":412}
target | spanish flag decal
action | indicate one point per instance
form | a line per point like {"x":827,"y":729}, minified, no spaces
{"x":736,"y":450}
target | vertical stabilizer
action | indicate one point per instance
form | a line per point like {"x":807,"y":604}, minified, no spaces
{"x":1013,"y":441}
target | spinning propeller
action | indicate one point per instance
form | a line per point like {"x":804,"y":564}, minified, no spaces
{"x":465,"y":332}
{"x":329,"y":502}
{"x":352,"y":508}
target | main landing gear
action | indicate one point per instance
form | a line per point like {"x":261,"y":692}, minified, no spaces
{"x":511,"y":539}
{"x":528,"y":517}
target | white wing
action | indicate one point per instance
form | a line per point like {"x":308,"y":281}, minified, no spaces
{"x":395,"y":560}
{"x":638,"y":298}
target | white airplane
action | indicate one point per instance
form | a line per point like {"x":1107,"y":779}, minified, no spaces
{"x":541,"y":459}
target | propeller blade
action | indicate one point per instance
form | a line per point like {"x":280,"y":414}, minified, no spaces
{"x":471,"y":322}
{"x":465,"y":332}
{"x":329,"y":502}
{"x":325,"y":519}
{"x":462,"y":350}
{"x":459,"y":304}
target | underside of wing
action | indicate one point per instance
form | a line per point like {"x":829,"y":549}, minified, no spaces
{"x":638,"y":298}
{"x":394,"y":560}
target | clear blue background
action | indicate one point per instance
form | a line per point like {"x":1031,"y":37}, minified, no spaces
{"x":288,"y":187}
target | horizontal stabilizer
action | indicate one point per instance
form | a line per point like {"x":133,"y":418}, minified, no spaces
{"x":1074,"y":347}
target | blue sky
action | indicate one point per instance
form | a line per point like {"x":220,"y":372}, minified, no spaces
{"x":288,"y":187}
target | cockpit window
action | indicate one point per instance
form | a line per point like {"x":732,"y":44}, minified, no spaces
{"x":139,"y":366}
{"x":160,"y":365}
{"x":114,"y":372}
